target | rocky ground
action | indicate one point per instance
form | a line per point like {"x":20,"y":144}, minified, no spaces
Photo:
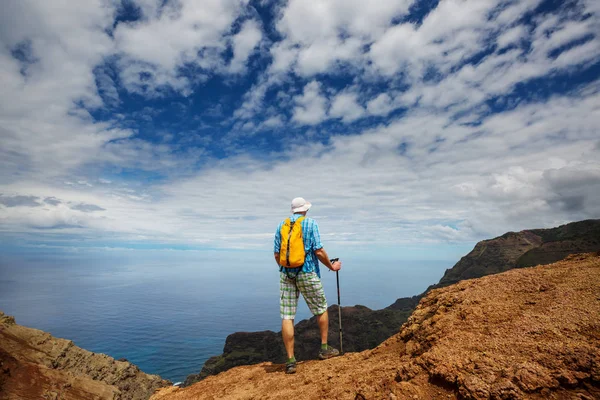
{"x":529,"y":333}
{"x":35,"y":365}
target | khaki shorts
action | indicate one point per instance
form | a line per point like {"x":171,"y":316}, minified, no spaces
{"x":311,"y":288}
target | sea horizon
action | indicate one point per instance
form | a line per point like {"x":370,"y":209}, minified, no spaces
{"x":170,"y":311}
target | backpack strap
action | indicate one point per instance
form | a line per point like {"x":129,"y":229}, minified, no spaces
{"x":294,"y":275}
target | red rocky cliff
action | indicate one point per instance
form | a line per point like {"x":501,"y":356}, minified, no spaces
{"x":35,"y":365}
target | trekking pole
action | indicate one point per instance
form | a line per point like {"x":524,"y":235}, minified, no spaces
{"x":337,"y":278}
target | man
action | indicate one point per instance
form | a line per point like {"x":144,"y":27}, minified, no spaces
{"x":306,"y":281}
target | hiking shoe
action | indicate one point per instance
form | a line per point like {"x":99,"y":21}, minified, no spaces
{"x":330,"y":352}
{"x":290,"y":368}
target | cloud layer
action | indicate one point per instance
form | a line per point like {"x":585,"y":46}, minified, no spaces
{"x":182,"y":121}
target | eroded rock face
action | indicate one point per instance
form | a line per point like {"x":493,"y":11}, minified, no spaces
{"x":525,"y":249}
{"x":514,"y":335}
{"x":36,"y":365}
{"x":531,"y":333}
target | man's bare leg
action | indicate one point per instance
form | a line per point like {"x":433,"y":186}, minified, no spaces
{"x":287,"y":332}
{"x":326,"y":350}
{"x":323,"y":321}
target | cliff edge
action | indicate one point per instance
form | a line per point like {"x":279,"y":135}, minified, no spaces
{"x":247,"y":348}
{"x":509,"y":251}
{"x":36,"y":365}
{"x":529,"y":333}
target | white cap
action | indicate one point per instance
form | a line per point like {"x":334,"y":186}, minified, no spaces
{"x":300,"y":205}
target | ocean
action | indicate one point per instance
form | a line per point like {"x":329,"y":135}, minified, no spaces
{"x":169,"y":311}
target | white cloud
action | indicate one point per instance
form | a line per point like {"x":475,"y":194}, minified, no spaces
{"x":323,"y":55}
{"x":43,"y":128}
{"x":45,"y":124}
{"x":284,"y":55}
{"x":561,"y":35}
{"x":497,"y":73}
{"x":152,"y":81}
{"x":515,"y":10}
{"x":336,"y":37}
{"x":149,"y":8}
{"x":451,"y":183}
{"x":178,"y":32}
{"x":186,"y":32}
{"x":308,"y":23}
{"x":592,"y":7}
{"x":512,"y":36}
{"x":320,"y":35}
{"x":274,"y":122}
{"x":244,"y":42}
{"x":380,"y":105}
{"x":449,"y":35}
{"x":253,"y":99}
{"x":345,"y":105}
{"x":585,"y":53}
{"x":310,"y":106}
{"x":396,"y":48}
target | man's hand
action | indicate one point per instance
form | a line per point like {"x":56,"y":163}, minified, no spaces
{"x":336,"y":266}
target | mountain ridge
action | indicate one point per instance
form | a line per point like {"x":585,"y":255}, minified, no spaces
{"x":525,"y":249}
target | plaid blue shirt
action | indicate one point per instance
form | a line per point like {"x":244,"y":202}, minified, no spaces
{"x":312,"y":242}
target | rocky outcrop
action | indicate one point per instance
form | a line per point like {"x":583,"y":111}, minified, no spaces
{"x":524,"y":249}
{"x":365,"y":328}
{"x":36,"y":365}
{"x":530,"y":333}
{"x":246,"y":348}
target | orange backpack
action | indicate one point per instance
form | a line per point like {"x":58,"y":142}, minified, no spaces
{"x":291,"y":252}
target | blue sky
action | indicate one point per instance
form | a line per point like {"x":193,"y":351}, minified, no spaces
{"x":410,"y":125}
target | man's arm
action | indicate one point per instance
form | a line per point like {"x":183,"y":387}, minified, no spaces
{"x":277,"y":244}
{"x":324,"y":258}
{"x":320,"y":251}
